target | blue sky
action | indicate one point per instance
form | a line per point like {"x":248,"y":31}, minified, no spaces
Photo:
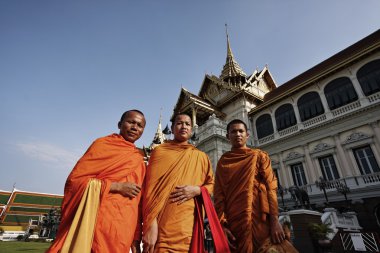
{"x":68,"y":69}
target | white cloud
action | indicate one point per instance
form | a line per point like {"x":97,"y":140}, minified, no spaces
{"x":48,"y":153}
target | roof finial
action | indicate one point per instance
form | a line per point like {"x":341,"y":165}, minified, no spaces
{"x":231,"y":68}
{"x":229,"y":51}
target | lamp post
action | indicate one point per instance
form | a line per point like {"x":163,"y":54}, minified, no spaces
{"x":167,"y":132}
{"x":281,"y":191}
{"x":194,"y":138}
{"x":342,"y":188}
{"x":322,"y":184}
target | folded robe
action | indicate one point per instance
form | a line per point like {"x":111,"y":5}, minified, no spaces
{"x":108,"y":159}
{"x":171,"y":165}
{"x":245,"y":194}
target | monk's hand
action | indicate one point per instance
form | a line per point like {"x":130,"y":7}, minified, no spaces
{"x":184,"y":193}
{"x":150,"y":237}
{"x":135,"y":247}
{"x":230,"y":238}
{"x":127,"y":189}
{"x":277,"y":233}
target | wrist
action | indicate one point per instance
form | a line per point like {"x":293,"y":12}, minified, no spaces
{"x":198,"y":190}
{"x":115,"y":186}
{"x":273,"y":218}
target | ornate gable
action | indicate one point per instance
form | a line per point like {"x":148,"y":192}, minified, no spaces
{"x":215,"y":90}
{"x":194,"y":105}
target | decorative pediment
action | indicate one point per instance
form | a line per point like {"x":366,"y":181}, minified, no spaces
{"x":274,"y":162}
{"x":357,"y":136}
{"x":262,"y":80}
{"x":215,"y":90}
{"x":190,"y":103}
{"x":293,"y":155}
{"x":321,"y":146}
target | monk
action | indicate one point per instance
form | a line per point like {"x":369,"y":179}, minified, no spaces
{"x":175,"y":173}
{"x":245,"y":197}
{"x":100,"y":207}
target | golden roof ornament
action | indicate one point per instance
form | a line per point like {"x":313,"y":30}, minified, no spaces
{"x":232,"y":72}
{"x":159,"y":137}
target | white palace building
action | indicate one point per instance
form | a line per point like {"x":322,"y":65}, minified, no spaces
{"x":321,"y":128}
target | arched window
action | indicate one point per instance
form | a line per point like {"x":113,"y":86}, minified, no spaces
{"x":310,"y":106}
{"x":369,"y":77}
{"x":264,"y":126}
{"x":340,"y":92}
{"x":285,"y":117}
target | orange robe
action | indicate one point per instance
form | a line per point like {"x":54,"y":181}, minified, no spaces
{"x":108,"y":159}
{"x":245,"y":194}
{"x":171,"y":165}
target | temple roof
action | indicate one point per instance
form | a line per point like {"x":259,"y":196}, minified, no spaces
{"x":187,"y":100}
{"x":159,"y":137}
{"x":231,"y":68}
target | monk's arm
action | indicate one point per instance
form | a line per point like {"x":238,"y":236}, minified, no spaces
{"x":209,"y":179}
{"x":150,"y":237}
{"x":182,"y":193}
{"x":270,"y":180}
{"x":219,"y":199}
{"x":138,"y":231}
{"x":277,"y":233}
{"x":127,"y":189}
{"x":219,"y":203}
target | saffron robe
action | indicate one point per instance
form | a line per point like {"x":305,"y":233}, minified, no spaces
{"x":245,"y":195}
{"x":109,"y":159}
{"x":171,"y":165}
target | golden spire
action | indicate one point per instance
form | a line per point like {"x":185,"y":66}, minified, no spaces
{"x":231,"y":70}
{"x":159,"y":137}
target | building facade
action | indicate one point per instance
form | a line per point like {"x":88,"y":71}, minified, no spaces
{"x":18,"y":207}
{"x":321,"y":129}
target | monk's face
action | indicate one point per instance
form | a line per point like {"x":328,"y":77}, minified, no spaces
{"x":132,"y":126}
{"x":181,"y":128}
{"x":238,"y":135}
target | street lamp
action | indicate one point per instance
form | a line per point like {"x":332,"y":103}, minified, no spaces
{"x":342,"y":188}
{"x":194,"y":138}
{"x":322,"y":184}
{"x":167,"y":132}
{"x":281,"y":191}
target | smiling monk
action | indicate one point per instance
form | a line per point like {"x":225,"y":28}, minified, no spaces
{"x":102,"y":194}
{"x":245,"y":197}
{"x":175,"y":173}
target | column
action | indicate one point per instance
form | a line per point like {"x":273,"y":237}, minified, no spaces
{"x":325,"y":104}
{"x":376,"y":130}
{"x":274,"y":124}
{"x":285,"y":173}
{"x":194,"y":115}
{"x":357,"y":87}
{"x":297,"y":113}
{"x":309,"y":164}
{"x":343,"y":159}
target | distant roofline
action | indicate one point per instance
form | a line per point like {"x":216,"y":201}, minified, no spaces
{"x":329,"y":65}
{"x":22,"y":191}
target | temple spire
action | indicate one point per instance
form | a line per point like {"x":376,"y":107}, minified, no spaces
{"x":159,"y":137}
{"x":229,"y":51}
{"x":232,"y":72}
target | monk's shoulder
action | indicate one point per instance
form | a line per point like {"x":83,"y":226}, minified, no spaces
{"x":97,"y":143}
{"x":102,"y":140}
{"x":261,"y":154}
{"x":200,"y":153}
{"x":225,"y":155}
